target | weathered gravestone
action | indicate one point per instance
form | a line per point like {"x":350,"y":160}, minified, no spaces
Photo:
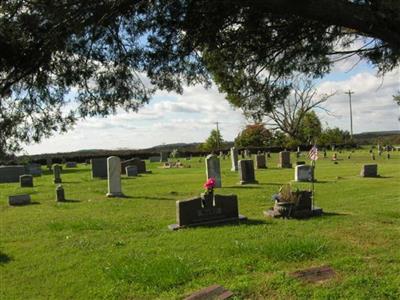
{"x":70,"y":164}
{"x":260,"y":161}
{"x":60,"y":194}
{"x":19,"y":199}
{"x":234,"y":159}
{"x":284,"y":159}
{"x":131,"y":171}
{"x":140,"y":164}
{"x":369,"y":170}
{"x":99,"y":167}
{"x":34,"y":169}
{"x":114,"y":177}
{"x":206,"y":210}
{"x":164,"y":156}
{"x":11,"y":173}
{"x":26,"y":180}
{"x":57,"y":173}
{"x":213,"y":292}
{"x":304,"y":173}
{"x":246,"y":172}
{"x":213,"y":169}
{"x":247,"y":153}
{"x":155,"y":158}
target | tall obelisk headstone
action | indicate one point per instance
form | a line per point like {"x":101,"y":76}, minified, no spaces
{"x":114,"y":177}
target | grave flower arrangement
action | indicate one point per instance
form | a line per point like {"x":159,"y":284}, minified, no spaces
{"x":209,"y":185}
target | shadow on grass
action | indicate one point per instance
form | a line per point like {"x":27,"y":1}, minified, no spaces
{"x":333,"y":214}
{"x":70,"y":201}
{"x":73,"y":170}
{"x":272,"y":183}
{"x":4,"y":258}
{"x":151,"y":198}
{"x":242,"y":187}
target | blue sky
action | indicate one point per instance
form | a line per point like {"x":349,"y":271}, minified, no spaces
{"x":173,"y":118}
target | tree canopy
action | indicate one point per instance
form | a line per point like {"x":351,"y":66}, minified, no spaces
{"x":254,"y":135}
{"x":102,"y":52}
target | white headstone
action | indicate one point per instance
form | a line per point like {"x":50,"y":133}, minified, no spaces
{"x":213,"y":169}
{"x":234,"y":159}
{"x":114,"y":176}
{"x":303,"y":173}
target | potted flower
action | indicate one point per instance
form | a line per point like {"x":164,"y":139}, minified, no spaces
{"x":285,"y":201}
{"x":208,"y":195}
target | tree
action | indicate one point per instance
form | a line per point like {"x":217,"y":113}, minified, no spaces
{"x":214,"y":142}
{"x":98,"y":52}
{"x":333,"y":136}
{"x":255,"y":135}
{"x":294,"y":116}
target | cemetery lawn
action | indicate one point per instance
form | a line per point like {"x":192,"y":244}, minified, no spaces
{"x":94,"y":247}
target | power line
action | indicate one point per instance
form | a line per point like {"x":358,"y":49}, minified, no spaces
{"x":349,"y":92}
{"x":218,"y":135}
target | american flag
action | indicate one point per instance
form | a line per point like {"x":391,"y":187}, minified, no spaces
{"x":313,"y":154}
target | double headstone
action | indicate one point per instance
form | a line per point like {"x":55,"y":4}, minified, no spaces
{"x":234,"y":159}
{"x":260,"y":161}
{"x":284,"y":159}
{"x":140,"y":164}
{"x":246,"y":172}
{"x":26,"y":180}
{"x":304,"y":173}
{"x":213,"y":169}
{"x":57,"y":173}
{"x":99,"y":167}
{"x":369,"y":170}
{"x":114,"y":177}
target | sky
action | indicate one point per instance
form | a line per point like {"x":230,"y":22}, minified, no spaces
{"x":173,"y":118}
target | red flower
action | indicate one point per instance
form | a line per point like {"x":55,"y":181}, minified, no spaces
{"x":210,"y":183}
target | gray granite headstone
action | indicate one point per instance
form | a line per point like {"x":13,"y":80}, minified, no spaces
{"x":260,"y":161}
{"x":234,"y":159}
{"x":140,"y":164}
{"x":369,"y":170}
{"x":19,"y":199}
{"x":284,"y":159}
{"x":131,"y":171}
{"x":26,"y":180}
{"x":60,"y":194}
{"x":99,"y":167}
{"x":304,"y":173}
{"x":213,"y":169}
{"x":11,"y":173}
{"x":34,"y":169}
{"x":57,"y":173}
{"x":246,"y":172}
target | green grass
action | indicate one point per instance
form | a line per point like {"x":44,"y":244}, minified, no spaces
{"x":100,"y":248}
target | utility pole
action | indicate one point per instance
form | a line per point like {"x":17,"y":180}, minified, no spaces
{"x":218,"y":137}
{"x":349,"y":92}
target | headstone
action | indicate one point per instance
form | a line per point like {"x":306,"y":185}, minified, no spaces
{"x":19,"y":199}
{"x":369,"y":170}
{"x":234,"y":159}
{"x":34,"y":169}
{"x":284,"y":159}
{"x":213,"y":169}
{"x":212,"y":292}
{"x":299,"y":163}
{"x":221,"y":154}
{"x":57,"y":173}
{"x":304,"y":173}
{"x":325,"y":154}
{"x":49,"y":163}
{"x":269,"y":154}
{"x":26,"y":180}
{"x":155,"y":158}
{"x":164,"y":156}
{"x":114,"y":177}
{"x":131,"y":171}
{"x":206,"y":210}
{"x":70,"y":164}
{"x":388,"y":155}
{"x":99,"y":167}
{"x":246,"y":172}
{"x":60,"y":194}
{"x":260,"y":161}
{"x":140,"y":164}
{"x":10,"y":174}
{"x":247,"y":153}
{"x":373,"y":156}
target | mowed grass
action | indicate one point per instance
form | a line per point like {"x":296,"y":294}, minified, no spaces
{"x":95,"y":247}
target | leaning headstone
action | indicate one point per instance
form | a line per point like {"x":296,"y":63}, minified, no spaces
{"x":213,"y":169}
{"x":164,"y":156}
{"x":206,"y":210}
{"x":60,"y":194}
{"x":34,"y":169}
{"x":131,"y":171}
{"x":19,"y":199}
{"x":234,"y":159}
{"x":246,"y":172}
{"x":70,"y":164}
{"x":114,"y":177}
{"x":369,"y":170}
{"x":140,"y":164}
{"x":260,"y":161}
{"x":284,"y":159}
{"x":99,"y":167}
{"x":10,"y":174}
{"x":26,"y":180}
{"x":57,"y":173}
{"x":304,"y":173}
